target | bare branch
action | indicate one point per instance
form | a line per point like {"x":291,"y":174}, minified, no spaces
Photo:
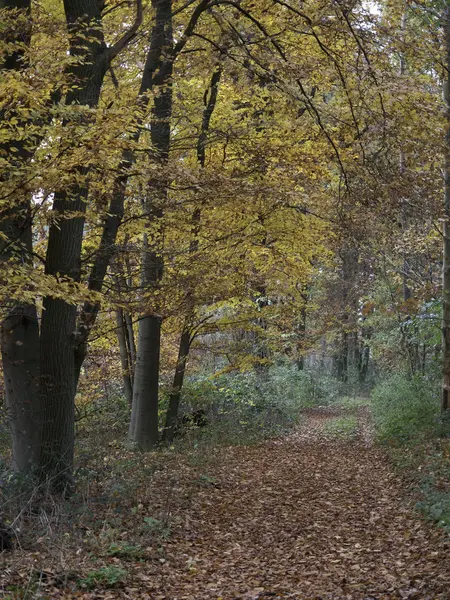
{"x":199,"y":10}
{"x":128,"y":35}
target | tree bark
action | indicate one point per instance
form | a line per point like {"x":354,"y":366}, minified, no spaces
{"x":144,"y":417}
{"x":63,"y":259}
{"x":19,"y":329}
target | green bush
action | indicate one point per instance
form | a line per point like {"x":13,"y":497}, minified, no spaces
{"x":406,"y":408}
{"x":246,"y":406}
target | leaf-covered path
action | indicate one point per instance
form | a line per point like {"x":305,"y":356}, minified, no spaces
{"x":306,"y":517}
{"x":315,"y":515}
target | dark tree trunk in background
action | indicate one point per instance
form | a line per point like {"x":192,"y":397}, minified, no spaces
{"x":144,"y":417}
{"x":301,"y":332}
{"x":124,"y":356}
{"x":124,"y":335}
{"x":177,"y":385}
{"x":210,"y":100}
{"x":19,"y":329}
{"x":347,"y":347}
{"x":363,"y":366}
{"x":131,"y":345}
{"x":341,"y":359}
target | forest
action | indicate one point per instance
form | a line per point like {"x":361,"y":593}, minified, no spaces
{"x":225,"y":299}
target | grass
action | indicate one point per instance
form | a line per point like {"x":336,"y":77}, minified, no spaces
{"x":353,"y":402}
{"x":408,"y":426}
{"x":106,"y":577}
{"x":426,"y":465}
{"x":345,"y":427}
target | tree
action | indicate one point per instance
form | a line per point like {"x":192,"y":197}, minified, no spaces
{"x":19,"y":330}
{"x":186,"y":338}
{"x":42,"y":384}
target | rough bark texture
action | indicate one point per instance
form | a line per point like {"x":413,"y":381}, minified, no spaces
{"x":19,"y":329}
{"x":20,"y":353}
{"x":144,"y":418}
{"x":57,"y":349}
{"x":445,"y":402}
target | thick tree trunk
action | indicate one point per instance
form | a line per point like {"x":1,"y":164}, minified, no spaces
{"x":20,"y":353}
{"x":58,"y":343}
{"x":144,"y":418}
{"x":445,"y":400}
{"x":19,"y":330}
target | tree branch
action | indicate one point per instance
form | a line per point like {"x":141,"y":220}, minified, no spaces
{"x":128,"y":35}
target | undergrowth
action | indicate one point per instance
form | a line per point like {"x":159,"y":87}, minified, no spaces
{"x":246,"y":407}
{"x":408,"y":423}
{"x":345,"y":428}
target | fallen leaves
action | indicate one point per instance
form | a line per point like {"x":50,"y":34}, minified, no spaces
{"x":302,"y":518}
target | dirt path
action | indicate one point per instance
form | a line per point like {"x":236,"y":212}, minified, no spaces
{"x":303,"y":518}
{"x":316,"y":515}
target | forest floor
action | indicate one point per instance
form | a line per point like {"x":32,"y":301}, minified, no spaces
{"x":318,"y":514}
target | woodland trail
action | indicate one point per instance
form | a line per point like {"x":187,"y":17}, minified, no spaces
{"x":304,"y":517}
{"x":311,"y":516}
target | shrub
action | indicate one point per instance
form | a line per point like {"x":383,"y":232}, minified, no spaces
{"x":406,"y":409}
{"x":247,"y":406}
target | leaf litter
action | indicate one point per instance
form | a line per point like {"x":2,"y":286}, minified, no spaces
{"x":310,"y":516}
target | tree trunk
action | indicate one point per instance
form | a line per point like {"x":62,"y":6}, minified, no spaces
{"x":175,"y":394}
{"x":58,"y":343}
{"x":131,"y":344}
{"x":342,"y":359}
{"x":364,"y":357}
{"x":144,"y":417}
{"x":301,"y":332}
{"x":19,"y":330}
{"x":20,"y":353}
{"x":210,"y":100}
{"x":445,"y":402}
{"x":124,"y":356}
